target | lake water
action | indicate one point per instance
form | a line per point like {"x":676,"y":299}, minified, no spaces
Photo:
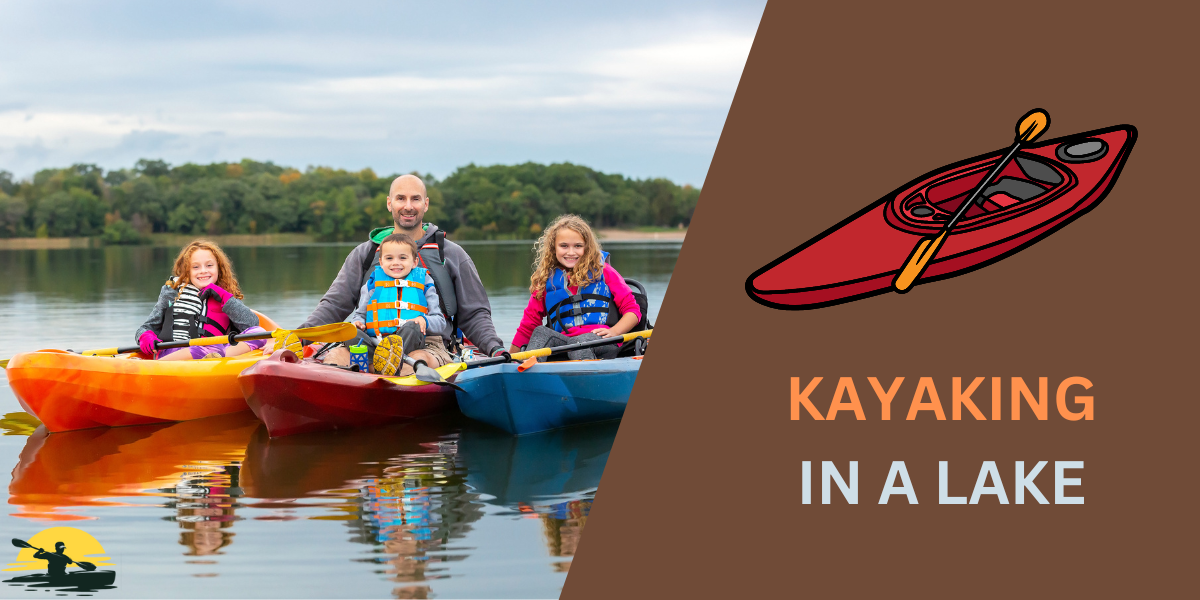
{"x":215,"y":508}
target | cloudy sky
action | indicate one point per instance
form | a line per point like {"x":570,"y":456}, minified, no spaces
{"x":639,"y":88}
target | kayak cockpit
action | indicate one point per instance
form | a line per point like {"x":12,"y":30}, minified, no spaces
{"x":1023,"y":183}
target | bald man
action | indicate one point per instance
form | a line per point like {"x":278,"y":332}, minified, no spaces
{"x":463,"y":299}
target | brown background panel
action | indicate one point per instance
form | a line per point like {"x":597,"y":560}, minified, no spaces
{"x":840,"y":104}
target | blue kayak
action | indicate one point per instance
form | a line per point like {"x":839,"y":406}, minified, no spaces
{"x":548,"y":395}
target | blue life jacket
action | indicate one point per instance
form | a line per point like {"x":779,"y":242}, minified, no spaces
{"x":593,"y":305}
{"x":382,"y":308}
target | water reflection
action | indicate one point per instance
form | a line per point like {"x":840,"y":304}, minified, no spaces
{"x":563,"y":527}
{"x":400,"y":489}
{"x":60,"y":475}
{"x":204,"y":503}
{"x":408,"y":493}
{"x":549,"y":476}
{"x":540,"y":469}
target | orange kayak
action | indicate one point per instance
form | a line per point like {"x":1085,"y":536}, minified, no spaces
{"x":68,"y":391}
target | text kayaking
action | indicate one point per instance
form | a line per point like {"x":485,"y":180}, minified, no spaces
{"x":927,"y":399}
{"x":898,"y":483}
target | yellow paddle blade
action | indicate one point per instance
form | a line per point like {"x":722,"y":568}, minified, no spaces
{"x":4,"y":364}
{"x":411,"y":380}
{"x":1031,"y":126}
{"x":333,"y":332}
{"x":921,"y":255}
{"x":285,"y":339}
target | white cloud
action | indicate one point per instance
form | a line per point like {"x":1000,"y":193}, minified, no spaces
{"x":604,"y":90}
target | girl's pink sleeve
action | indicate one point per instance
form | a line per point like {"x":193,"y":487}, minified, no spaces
{"x":535,"y":313}
{"x":621,"y":292}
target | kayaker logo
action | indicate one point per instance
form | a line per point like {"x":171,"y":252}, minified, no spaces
{"x":952,"y":220}
{"x":64,"y":558}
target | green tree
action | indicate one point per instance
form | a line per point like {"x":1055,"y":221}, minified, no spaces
{"x":12,"y":216}
{"x":71,"y":213}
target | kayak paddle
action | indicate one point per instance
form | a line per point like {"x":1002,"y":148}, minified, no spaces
{"x":521,"y":356}
{"x":426,"y":373}
{"x":334,"y":332}
{"x":87,"y":566}
{"x":1031,"y":125}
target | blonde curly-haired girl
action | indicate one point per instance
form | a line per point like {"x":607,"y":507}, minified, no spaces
{"x":575,"y":292}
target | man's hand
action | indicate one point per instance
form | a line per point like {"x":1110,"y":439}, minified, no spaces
{"x":421,"y":323}
{"x":360,"y":325}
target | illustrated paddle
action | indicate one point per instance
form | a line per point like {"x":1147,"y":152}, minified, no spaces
{"x":334,"y":332}
{"x":522,"y":356}
{"x":87,"y":566}
{"x":1031,"y":125}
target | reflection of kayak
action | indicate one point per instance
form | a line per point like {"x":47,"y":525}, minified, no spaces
{"x":294,"y":397}
{"x":69,"y":391}
{"x":84,"y":468}
{"x":310,"y":464}
{"x":552,"y":465}
{"x":1048,"y":185}
{"x":80,"y":579}
{"x":549,"y":395}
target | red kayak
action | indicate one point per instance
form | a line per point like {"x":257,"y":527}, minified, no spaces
{"x":1048,"y":185}
{"x":293,"y":397}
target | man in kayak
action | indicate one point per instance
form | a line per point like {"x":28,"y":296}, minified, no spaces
{"x":464,"y":301}
{"x":56,"y":561}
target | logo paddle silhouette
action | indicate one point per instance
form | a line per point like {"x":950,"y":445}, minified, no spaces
{"x":57,"y":560}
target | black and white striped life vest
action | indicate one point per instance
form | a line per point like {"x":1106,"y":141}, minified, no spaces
{"x":187,"y":317}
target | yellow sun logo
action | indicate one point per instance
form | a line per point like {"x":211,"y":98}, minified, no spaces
{"x":81,"y":546}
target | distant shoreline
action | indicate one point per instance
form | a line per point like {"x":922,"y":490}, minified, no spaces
{"x":172,"y":240}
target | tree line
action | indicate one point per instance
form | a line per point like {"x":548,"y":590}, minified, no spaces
{"x":474,"y":202}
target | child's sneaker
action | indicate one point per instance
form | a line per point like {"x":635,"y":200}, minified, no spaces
{"x":388,"y":356}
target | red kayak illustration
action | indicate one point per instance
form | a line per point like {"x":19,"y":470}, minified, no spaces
{"x":952,"y":220}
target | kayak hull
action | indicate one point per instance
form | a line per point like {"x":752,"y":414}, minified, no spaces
{"x":862,"y":255}
{"x":549,"y":395}
{"x":300,"y":397}
{"x":79,"y":579}
{"x":67,"y":391}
